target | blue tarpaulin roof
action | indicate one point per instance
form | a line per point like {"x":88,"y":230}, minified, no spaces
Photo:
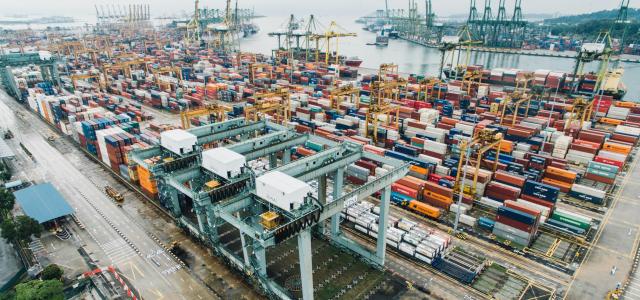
{"x":43,"y":202}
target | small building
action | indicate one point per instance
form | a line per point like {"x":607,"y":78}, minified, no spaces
{"x":43,"y":203}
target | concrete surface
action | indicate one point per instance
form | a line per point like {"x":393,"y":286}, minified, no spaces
{"x":610,"y":261}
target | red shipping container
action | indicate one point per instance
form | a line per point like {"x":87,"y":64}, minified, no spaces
{"x":405,"y":190}
{"x":607,"y":161}
{"x":515,"y":224}
{"x":509,"y":178}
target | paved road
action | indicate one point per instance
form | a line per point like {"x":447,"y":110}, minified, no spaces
{"x":118,"y":238}
{"x":610,"y":260}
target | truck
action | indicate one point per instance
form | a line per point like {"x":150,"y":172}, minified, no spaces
{"x":115,"y":195}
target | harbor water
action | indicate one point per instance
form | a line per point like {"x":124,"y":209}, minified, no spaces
{"x":417,"y":59}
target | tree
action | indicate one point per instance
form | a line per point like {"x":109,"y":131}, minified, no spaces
{"x":40,"y":290}
{"x":27,"y":226}
{"x":8,"y":230}
{"x":52,"y":271}
{"x":7,"y":201}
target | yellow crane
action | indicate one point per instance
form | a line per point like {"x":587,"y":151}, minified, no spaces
{"x":167,"y":70}
{"x":382,"y":93}
{"x":423,"y":88}
{"x":336,"y":95}
{"x":216,"y":111}
{"x":483,"y":141}
{"x":278,"y":102}
{"x":97,"y":77}
{"x":327,"y":36}
{"x":581,"y":111}
{"x":253,"y":67}
{"x":513,"y":103}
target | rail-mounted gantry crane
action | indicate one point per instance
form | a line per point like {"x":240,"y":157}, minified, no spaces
{"x":511,"y":106}
{"x":97,"y":77}
{"x":277,"y":102}
{"x":216,"y":113}
{"x":383,"y":92}
{"x":471,"y":151}
{"x":345,"y":92}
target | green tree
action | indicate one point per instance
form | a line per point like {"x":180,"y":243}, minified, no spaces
{"x":8,"y":230}
{"x":7,"y":201}
{"x":52,"y":271}
{"x":40,"y":290}
{"x":27,"y":226}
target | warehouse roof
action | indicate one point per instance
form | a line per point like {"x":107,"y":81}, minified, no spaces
{"x":43,"y":202}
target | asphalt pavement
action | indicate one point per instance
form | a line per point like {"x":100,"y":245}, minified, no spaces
{"x":117,"y":238}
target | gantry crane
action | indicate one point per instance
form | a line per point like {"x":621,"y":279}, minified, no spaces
{"x":457,"y":42}
{"x":581,"y":111}
{"x":598,"y":50}
{"x":350,"y":91}
{"x":483,"y":141}
{"x":253,"y":67}
{"x":381,"y":92}
{"x":513,"y":103}
{"x":75,"y":77}
{"x":327,"y":36}
{"x":423,"y":88}
{"x":167,"y":70}
{"x":193,"y":33}
{"x":216,"y":113}
{"x":278,"y":102}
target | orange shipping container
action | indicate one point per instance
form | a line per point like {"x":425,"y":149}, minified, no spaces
{"x":615,"y":147}
{"x":563,"y":186}
{"x":424,"y":209}
{"x":569,"y":175}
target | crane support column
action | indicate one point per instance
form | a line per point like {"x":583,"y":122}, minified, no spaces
{"x":322,"y":197}
{"x":261,"y":258}
{"x":273,"y":160}
{"x":306,"y":267}
{"x":245,"y":250}
{"x":382,"y":224}
{"x":175,"y":204}
{"x":286,"y":156}
{"x":338,"y":181}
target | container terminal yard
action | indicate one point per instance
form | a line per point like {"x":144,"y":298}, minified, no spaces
{"x":194,"y":170}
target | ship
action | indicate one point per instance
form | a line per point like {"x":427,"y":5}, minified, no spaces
{"x":546,"y":79}
{"x":353,"y":61}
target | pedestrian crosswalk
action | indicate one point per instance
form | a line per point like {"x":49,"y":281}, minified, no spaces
{"x":118,"y":251}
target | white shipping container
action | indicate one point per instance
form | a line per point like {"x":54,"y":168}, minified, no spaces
{"x":407,"y":249}
{"x":588,"y":190}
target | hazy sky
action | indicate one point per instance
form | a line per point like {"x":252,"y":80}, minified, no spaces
{"x":299,"y":7}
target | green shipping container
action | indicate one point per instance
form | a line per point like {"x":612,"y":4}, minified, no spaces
{"x":603,"y":167}
{"x":570,"y":220}
{"x":313,"y":146}
{"x":602,"y":173}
